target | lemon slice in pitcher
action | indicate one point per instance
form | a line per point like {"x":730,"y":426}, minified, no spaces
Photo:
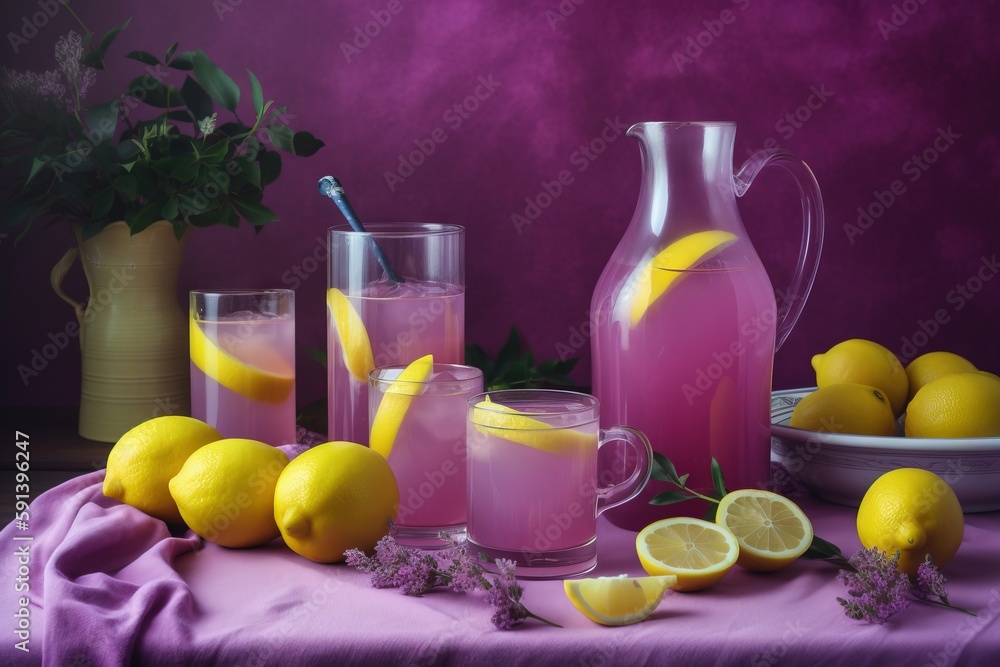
{"x":670,"y":264}
{"x":505,"y":422}
{"x":253,"y":382}
{"x":354,"y":341}
{"x":396,"y":402}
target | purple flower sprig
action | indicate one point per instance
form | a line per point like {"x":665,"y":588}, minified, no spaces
{"x":415,"y":573}
{"x":878,"y":589}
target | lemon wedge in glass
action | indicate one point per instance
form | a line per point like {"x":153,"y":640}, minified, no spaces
{"x":253,"y":382}
{"x":396,"y":402}
{"x":620,"y":600}
{"x":353,"y":336}
{"x":505,"y":422}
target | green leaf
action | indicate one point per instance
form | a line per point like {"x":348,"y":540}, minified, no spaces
{"x":254,"y":213}
{"x":217,"y":83}
{"x":305,"y":144}
{"x":102,"y":121}
{"x":170,"y":210}
{"x":143,"y":218}
{"x":127,"y":186}
{"x":663,"y":469}
{"x":170,"y":52}
{"x":683,"y":479}
{"x":154,"y":93}
{"x":317,"y":354}
{"x":93,"y":59}
{"x":102,"y":204}
{"x":270,"y":167}
{"x":184,"y":61}
{"x":669,"y":498}
{"x":257,"y":94}
{"x":508,"y":353}
{"x":215,"y":153}
{"x":249,"y":170}
{"x":711,"y":512}
{"x":144,"y":57}
{"x":36,"y":168}
{"x":109,"y":37}
{"x":196,"y":99}
{"x":281,"y":137}
{"x":181,"y":168}
{"x":717,"y":481}
{"x":820,"y":549}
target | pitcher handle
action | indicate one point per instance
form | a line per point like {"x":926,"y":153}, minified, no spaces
{"x":56,"y":278}
{"x":790,"y":305}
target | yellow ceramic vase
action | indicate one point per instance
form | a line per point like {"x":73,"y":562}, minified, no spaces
{"x":133,"y":332}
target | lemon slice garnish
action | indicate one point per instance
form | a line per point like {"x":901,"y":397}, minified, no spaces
{"x":670,"y":264}
{"x":505,"y":422}
{"x":771,"y":529}
{"x":242,"y":378}
{"x":396,"y":402}
{"x":354,"y":341}
{"x":620,"y":600}
{"x":697,"y":552}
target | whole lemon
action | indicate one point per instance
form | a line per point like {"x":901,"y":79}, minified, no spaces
{"x":912,"y":511}
{"x":225,"y":491}
{"x":931,"y":366}
{"x":859,"y":361}
{"x":845,"y":408}
{"x":143,"y":460}
{"x":963,"y":405}
{"x":334,"y":497}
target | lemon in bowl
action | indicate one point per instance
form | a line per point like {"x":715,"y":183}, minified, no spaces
{"x":845,"y":408}
{"x":960,"y":405}
{"x":859,"y":361}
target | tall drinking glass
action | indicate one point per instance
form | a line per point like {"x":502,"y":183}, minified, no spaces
{"x":243,"y":363}
{"x":396,"y":293}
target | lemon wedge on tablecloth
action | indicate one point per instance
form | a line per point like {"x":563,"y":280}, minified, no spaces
{"x":505,"y":422}
{"x":396,"y":402}
{"x":697,"y":552}
{"x":354,"y":340}
{"x":265,"y":386}
{"x":620,"y":600}
{"x":772,"y":531}
{"x":670,"y":264}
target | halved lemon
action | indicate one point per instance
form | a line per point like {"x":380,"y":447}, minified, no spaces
{"x":257,"y":384}
{"x":353,"y":336}
{"x":697,"y":552}
{"x":396,"y":402}
{"x":620,"y":600}
{"x":505,"y":422}
{"x":771,"y":529}
{"x":670,"y":264}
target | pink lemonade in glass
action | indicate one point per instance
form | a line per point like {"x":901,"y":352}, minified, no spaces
{"x":428,"y":453}
{"x":403,"y":322}
{"x":396,"y":293}
{"x":243,"y":367}
{"x":535,"y":489}
{"x":682,"y":376}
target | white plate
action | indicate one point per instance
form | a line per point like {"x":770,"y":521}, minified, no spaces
{"x":840,"y":468}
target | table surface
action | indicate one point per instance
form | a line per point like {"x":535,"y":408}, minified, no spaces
{"x":110,"y":585}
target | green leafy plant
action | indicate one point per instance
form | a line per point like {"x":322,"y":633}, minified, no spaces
{"x":514,"y":367}
{"x":155,"y":151}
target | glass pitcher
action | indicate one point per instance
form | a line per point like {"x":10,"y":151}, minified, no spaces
{"x":685,"y":319}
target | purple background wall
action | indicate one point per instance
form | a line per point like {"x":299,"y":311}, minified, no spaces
{"x":892,"y":76}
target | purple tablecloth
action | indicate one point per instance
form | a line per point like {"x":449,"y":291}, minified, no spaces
{"x":110,"y":585}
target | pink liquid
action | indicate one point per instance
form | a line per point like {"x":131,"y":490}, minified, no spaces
{"x":265,"y":344}
{"x":695,"y":377}
{"x":404,"y":322}
{"x":529,"y":500}
{"x":429,"y":457}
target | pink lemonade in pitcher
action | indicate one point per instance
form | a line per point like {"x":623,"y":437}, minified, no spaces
{"x":249,"y":388}
{"x":682,"y":375}
{"x":532,"y":500}
{"x":398,"y":324}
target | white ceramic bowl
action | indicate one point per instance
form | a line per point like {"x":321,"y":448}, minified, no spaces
{"x":840,"y":468}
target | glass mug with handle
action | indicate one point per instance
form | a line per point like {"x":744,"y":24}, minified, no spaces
{"x":536,"y":483}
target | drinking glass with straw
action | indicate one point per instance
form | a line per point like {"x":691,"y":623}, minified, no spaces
{"x":396,"y":292}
